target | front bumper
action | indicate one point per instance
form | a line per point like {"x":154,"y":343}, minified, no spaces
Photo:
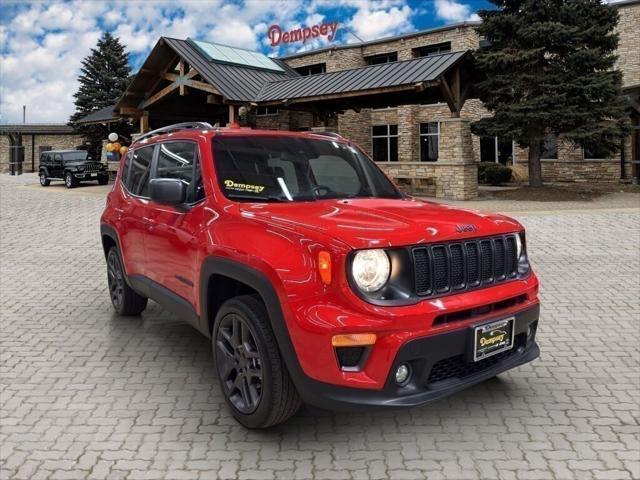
{"x":440,"y":367}
{"x":90,"y":175}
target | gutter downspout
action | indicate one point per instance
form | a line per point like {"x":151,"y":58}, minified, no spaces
{"x":622,"y":160}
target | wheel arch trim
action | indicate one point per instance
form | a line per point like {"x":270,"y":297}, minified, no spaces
{"x":259,"y":282}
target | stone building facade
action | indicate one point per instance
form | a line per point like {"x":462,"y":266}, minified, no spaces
{"x":451,"y":175}
{"x":35,"y":138}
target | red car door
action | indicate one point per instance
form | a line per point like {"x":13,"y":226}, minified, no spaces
{"x":136,"y":210}
{"x":171,"y":240}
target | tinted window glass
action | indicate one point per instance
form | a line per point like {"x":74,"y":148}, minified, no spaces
{"x":138,"y":180}
{"x":76,"y":156}
{"x":177,"y":160}
{"x":125,"y":167}
{"x":290,"y":169}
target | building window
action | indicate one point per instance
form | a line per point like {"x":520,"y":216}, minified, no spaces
{"x":429,"y":50}
{"x":385,"y":143}
{"x":382,"y":58}
{"x":549,"y":147}
{"x":496,"y":149}
{"x":594,"y":152}
{"x":266,"y":111}
{"x":312,"y":69}
{"x":429,"y":139}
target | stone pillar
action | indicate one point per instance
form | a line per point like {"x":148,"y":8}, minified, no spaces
{"x":407,"y":134}
{"x":457,"y":173}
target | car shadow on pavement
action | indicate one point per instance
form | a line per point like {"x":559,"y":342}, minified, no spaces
{"x":173,"y":363}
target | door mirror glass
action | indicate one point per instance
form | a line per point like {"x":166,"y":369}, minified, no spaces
{"x":169,"y":191}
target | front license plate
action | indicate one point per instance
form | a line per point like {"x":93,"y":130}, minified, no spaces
{"x":493,"y":338}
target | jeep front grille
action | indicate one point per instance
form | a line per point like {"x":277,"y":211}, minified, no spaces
{"x":91,"y":168}
{"x":453,"y":267}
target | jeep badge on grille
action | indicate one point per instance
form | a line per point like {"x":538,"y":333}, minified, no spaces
{"x":469,"y":227}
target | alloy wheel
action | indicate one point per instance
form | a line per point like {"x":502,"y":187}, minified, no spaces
{"x":115,"y":279}
{"x":238,"y":363}
{"x":68,"y":181}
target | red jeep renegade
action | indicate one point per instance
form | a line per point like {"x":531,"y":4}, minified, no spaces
{"x":316,"y":279}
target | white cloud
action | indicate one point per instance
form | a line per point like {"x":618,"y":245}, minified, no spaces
{"x":452,"y":11}
{"x":370,"y":23}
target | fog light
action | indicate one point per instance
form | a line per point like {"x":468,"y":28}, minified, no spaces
{"x":403,"y":372}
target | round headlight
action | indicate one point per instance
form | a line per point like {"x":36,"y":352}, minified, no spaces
{"x":370,"y":269}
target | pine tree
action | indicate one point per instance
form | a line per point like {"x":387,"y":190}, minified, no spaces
{"x":550,"y":69}
{"x":104,"y":77}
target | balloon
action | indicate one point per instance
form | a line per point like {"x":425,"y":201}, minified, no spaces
{"x":109,"y":147}
{"x":123,"y":150}
{"x":113,"y":137}
{"x":116,"y":147}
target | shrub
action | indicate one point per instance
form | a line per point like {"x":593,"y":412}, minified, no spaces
{"x":493,"y":173}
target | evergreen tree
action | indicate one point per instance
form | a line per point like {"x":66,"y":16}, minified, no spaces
{"x":549,"y":69}
{"x":104,"y":77}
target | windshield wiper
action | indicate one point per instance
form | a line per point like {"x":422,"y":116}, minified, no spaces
{"x":257,"y":198}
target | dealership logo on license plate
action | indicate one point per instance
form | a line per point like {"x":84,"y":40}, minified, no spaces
{"x":493,"y":338}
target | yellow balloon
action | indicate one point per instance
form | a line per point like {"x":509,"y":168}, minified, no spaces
{"x":110,"y":147}
{"x":123,"y":150}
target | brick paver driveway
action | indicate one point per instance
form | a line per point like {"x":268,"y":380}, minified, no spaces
{"x":86,"y":394}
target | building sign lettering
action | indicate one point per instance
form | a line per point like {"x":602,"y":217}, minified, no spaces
{"x":302,"y":34}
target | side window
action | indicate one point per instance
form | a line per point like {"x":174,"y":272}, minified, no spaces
{"x":179,"y":160}
{"x":125,"y":167}
{"x":138,"y":177}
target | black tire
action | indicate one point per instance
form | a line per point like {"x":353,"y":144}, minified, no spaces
{"x":44,"y":181}
{"x":69,"y":180}
{"x":103,"y":180}
{"x":254,"y":361}
{"x":124,"y":299}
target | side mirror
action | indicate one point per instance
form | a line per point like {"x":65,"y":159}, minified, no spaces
{"x":169,"y":191}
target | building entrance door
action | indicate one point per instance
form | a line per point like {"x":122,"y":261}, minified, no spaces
{"x":496,"y":149}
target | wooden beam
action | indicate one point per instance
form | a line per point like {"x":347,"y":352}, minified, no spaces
{"x":157,"y":96}
{"x":214,"y":99}
{"x":202,"y":86}
{"x":134,"y":112}
{"x":449,"y":96}
{"x":181,"y":83}
{"x":144,"y":122}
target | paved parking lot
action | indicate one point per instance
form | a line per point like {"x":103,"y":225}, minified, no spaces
{"x":86,"y":394}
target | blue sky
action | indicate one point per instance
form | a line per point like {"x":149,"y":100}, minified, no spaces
{"x":42,"y":43}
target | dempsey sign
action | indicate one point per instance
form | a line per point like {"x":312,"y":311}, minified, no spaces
{"x":302,"y":34}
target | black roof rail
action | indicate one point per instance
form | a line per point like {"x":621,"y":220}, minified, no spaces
{"x":326,"y":133}
{"x":172,"y":128}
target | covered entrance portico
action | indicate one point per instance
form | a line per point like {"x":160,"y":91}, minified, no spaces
{"x":187,"y":80}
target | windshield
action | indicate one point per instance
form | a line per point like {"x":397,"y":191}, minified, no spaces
{"x":290,"y":169}
{"x":75,"y":156}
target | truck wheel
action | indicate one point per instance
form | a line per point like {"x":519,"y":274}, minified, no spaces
{"x":44,"y":181}
{"x":69,"y":180}
{"x":124,"y":299}
{"x":254,"y":380}
{"x":103,"y":179}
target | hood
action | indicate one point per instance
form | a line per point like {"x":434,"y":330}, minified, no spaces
{"x":372,"y":222}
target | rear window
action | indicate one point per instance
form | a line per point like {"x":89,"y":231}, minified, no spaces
{"x":75,"y":156}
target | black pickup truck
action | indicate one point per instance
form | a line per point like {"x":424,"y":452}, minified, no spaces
{"x":72,"y":166}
